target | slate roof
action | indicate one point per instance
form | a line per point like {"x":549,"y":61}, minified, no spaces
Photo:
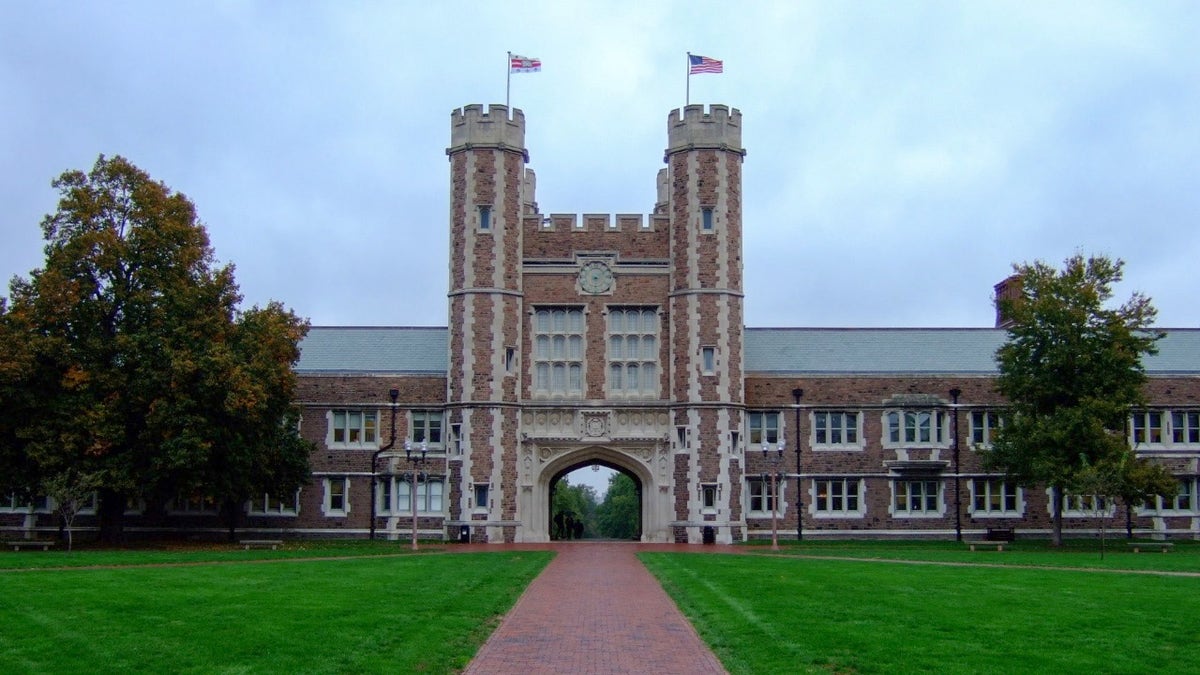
{"x":331,"y":350}
{"x":816,"y":351}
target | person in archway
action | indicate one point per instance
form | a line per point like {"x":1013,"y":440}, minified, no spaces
{"x":559,"y":526}
{"x":569,"y":528}
{"x":579,"y":529}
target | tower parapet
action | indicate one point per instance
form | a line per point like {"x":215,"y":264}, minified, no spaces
{"x":474,"y":127}
{"x":720,"y":128}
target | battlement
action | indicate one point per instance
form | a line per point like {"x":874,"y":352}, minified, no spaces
{"x":600,"y":222}
{"x":719,"y":128}
{"x":472,"y":127}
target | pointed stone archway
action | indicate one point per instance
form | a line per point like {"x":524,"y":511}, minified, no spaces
{"x":596,"y":463}
{"x":646,"y":464}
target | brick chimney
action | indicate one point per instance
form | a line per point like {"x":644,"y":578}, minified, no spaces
{"x":1009,"y":289}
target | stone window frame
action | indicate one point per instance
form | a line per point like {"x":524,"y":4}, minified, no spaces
{"x":708,"y":219}
{"x":710,"y":494}
{"x":1164,"y":428}
{"x":642,"y":361}
{"x":903,"y":496}
{"x":270,"y":506}
{"x":332,"y":495}
{"x":708,"y":360}
{"x":544,"y":358}
{"x":367,"y":433}
{"x":13,"y":503}
{"x":763,"y":429}
{"x":814,"y":419}
{"x":897,"y":431}
{"x":481,"y":489}
{"x":484,"y":220}
{"x":1082,"y":506}
{"x":424,"y":495}
{"x":203,"y":505}
{"x":1188,"y":486}
{"x":982,"y":426}
{"x":758,"y":488}
{"x":858,"y":495}
{"x":986,"y":490}
{"x":422,"y":428}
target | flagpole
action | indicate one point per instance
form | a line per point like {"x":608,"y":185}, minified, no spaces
{"x":687,"y":97}
{"x":507,"y":79}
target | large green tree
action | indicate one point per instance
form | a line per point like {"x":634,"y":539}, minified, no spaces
{"x":127,"y":361}
{"x":1071,"y":370}
{"x":619,"y":515}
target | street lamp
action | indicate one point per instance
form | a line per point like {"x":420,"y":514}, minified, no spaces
{"x":774,"y":495}
{"x":394,"y":394}
{"x":954,"y":394}
{"x":797,"y":393}
{"x":416,"y":457}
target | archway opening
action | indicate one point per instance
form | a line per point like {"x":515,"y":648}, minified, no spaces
{"x":580,"y":509}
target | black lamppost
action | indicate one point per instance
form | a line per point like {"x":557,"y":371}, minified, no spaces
{"x":393,"y":394}
{"x":954,"y":394}
{"x":797,"y":393}
{"x":416,"y":457}
{"x":774,"y":493}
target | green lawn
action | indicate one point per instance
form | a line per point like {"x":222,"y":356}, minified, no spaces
{"x":775,"y":614}
{"x":408,"y":613}
{"x":818,"y":606}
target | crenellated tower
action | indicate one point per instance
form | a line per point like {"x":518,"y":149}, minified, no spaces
{"x":487,"y":201}
{"x":704,"y":202}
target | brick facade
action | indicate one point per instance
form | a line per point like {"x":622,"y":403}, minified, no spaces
{"x":520,"y":403}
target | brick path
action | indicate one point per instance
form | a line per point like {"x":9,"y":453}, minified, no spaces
{"x":596,"y":610}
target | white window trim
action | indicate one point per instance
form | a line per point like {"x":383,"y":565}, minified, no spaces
{"x":424,"y":503}
{"x":716,"y":495}
{"x":939,"y":512}
{"x":989,"y":431}
{"x":347,"y":445}
{"x":1167,"y":427}
{"x":255,"y":507}
{"x":858,"y":445}
{"x":432,"y":448}
{"x":175,"y":509}
{"x":705,"y":368}
{"x":1160,"y":510}
{"x":780,"y":430}
{"x":1108,"y":512}
{"x":648,"y":387}
{"x":975,"y":513}
{"x":942,"y":430}
{"x":326,"y":508}
{"x":476,"y":507}
{"x":385,"y":495}
{"x":780,"y":504}
{"x":860,"y":512}
{"x":551,"y":392}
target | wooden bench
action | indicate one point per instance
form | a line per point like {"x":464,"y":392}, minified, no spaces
{"x":261,"y":543}
{"x":18,"y":544}
{"x":996,"y":545}
{"x":1137,"y":546}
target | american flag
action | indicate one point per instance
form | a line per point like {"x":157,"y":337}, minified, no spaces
{"x":703,"y":64}
{"x":524,"y":64}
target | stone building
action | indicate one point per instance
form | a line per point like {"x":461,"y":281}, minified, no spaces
{"x":619,"y":340}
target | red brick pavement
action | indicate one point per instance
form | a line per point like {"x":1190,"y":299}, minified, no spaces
{"x":595,"y":610}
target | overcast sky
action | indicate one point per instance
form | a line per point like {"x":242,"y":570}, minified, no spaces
{"x":901,"y":156}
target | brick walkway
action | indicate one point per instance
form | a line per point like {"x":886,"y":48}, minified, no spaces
{"x":596,"y":610}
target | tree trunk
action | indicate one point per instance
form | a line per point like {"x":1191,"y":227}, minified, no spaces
{"x":232,"y":512}
{"x":112,"y":517}
{"x":1056,"y":500}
